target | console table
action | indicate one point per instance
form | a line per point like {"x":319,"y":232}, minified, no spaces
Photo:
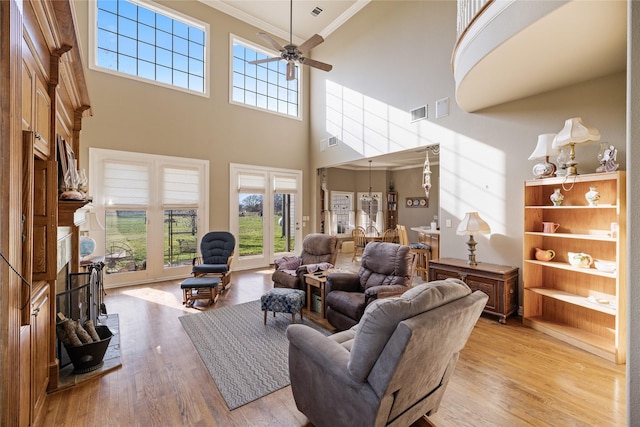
{"x":498,"y":281}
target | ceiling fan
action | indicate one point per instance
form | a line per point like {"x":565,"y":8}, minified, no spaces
{"x":292,"y":53}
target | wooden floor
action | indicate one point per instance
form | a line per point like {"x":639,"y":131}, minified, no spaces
{"x":508,"y":375}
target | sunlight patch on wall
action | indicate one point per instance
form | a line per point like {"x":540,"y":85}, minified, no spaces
{"x":472,"y":173}
{"x":369,"y":126}
{"x":473,"y":178}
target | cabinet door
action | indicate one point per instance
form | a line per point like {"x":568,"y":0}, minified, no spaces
{"x":45,"y":220}
{"x":489,"y":287}
{"x":28,"y":90}
{"x":40,"y":333}
{"x":42,"y":119}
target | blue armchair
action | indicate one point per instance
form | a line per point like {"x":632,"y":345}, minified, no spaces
{"x":216,"y":253}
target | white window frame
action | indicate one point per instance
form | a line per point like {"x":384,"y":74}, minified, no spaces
{"x":155,"y":207}
{"x":157,"y":8}
{"x":299,"y":73}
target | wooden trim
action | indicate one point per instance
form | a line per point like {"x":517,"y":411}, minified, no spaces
{"x":11,"y":212}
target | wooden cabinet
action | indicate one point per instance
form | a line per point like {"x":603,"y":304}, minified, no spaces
{"x":500,"y":282}
{"x":40,"y":339}
{"x":45,"y":223}
{"x":36,"y":105}
{"x":45,"y":95}
{"x":392,"y":209}
{"x":585,"y":307}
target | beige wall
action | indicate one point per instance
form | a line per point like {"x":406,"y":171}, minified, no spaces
{"x":405,"y":63}
{"x":134,"y":116}
{"x":408,"y":183}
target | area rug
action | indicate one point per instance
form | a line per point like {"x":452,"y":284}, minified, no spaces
{"x":246,"y":359}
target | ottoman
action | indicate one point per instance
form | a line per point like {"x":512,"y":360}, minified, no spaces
{"x":283,"y":300}
{"x":195,"y":288}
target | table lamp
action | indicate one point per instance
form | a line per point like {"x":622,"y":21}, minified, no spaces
{"x":472,"y":224}
{"x":574,"y":132}
{"x":544,"y":149}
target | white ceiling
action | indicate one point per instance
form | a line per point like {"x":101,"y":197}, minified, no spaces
{"x":273,"y":16}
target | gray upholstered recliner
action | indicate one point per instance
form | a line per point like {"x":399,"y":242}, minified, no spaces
{"x":317,"y":250}
{"x":386,"y":270}
{"x":390,"y":369}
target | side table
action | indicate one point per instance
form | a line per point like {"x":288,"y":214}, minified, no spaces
{"x":500,"y":282}
{"x":318,"y":281}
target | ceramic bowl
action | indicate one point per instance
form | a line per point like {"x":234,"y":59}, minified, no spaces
{"x":579,"y":259}
{"x":606,"y":266}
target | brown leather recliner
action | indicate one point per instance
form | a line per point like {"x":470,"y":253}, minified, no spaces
{"x":317,"y":250}
{"x":387,"y":270}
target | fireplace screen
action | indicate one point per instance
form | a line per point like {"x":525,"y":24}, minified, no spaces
{"x":82,"y":300}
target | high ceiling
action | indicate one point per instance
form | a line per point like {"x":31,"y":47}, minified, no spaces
{"x":273,"y":16}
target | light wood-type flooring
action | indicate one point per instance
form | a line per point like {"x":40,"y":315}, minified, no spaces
{"x":507,"y":375}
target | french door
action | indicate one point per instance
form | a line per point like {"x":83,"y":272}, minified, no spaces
{"x":265,"y":213}
{"x":148,"y":214}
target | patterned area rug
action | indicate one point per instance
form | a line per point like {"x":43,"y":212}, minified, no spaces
{"x":246,"y":359}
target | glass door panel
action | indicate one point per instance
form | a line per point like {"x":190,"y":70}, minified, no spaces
{"x":250,"y":225}
{"x":284,"y":223}
{"x":180,"y":237}
{"x":126,"y":241}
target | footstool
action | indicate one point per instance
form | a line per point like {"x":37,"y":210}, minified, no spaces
{"x":283,"y":300}
{"x":195,"y":288}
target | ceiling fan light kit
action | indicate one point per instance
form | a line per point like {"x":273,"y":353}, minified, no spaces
{"x":292,"y":53}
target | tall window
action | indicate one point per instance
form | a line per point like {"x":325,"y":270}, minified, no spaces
{"x":265,"y":85}
{"x":370,"y":213}
{"x":342,"y":219}
{"x":152,"y":210}
{"x":150,"y":43}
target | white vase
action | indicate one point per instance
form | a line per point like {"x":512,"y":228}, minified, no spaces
{"x":556,"y":197}
{"x":592,"y":196}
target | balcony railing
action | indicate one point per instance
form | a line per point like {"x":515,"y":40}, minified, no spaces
{"x":467,"y":12}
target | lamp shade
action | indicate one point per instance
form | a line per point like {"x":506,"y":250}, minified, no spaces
{"x":575,"y":132}
{"x":544,"y":147}
{"x":473,"y":224}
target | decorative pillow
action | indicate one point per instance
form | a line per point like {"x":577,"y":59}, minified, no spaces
{"x":382,"y":316}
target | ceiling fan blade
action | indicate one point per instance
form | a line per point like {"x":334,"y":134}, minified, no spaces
{"x":267,"y":38}
{"x":262,"y":61}
{"x":314,"y":41}
{"x":291,"y":70}
{"x":316,"y":64}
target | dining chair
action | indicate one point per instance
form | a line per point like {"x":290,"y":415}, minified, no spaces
{"x":359,"y":242}
{"x":390,"y":235}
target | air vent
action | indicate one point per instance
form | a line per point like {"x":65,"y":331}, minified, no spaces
{"x":419,"y":113}
{"x":316,"y":11}
{"x":333,"y":141}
